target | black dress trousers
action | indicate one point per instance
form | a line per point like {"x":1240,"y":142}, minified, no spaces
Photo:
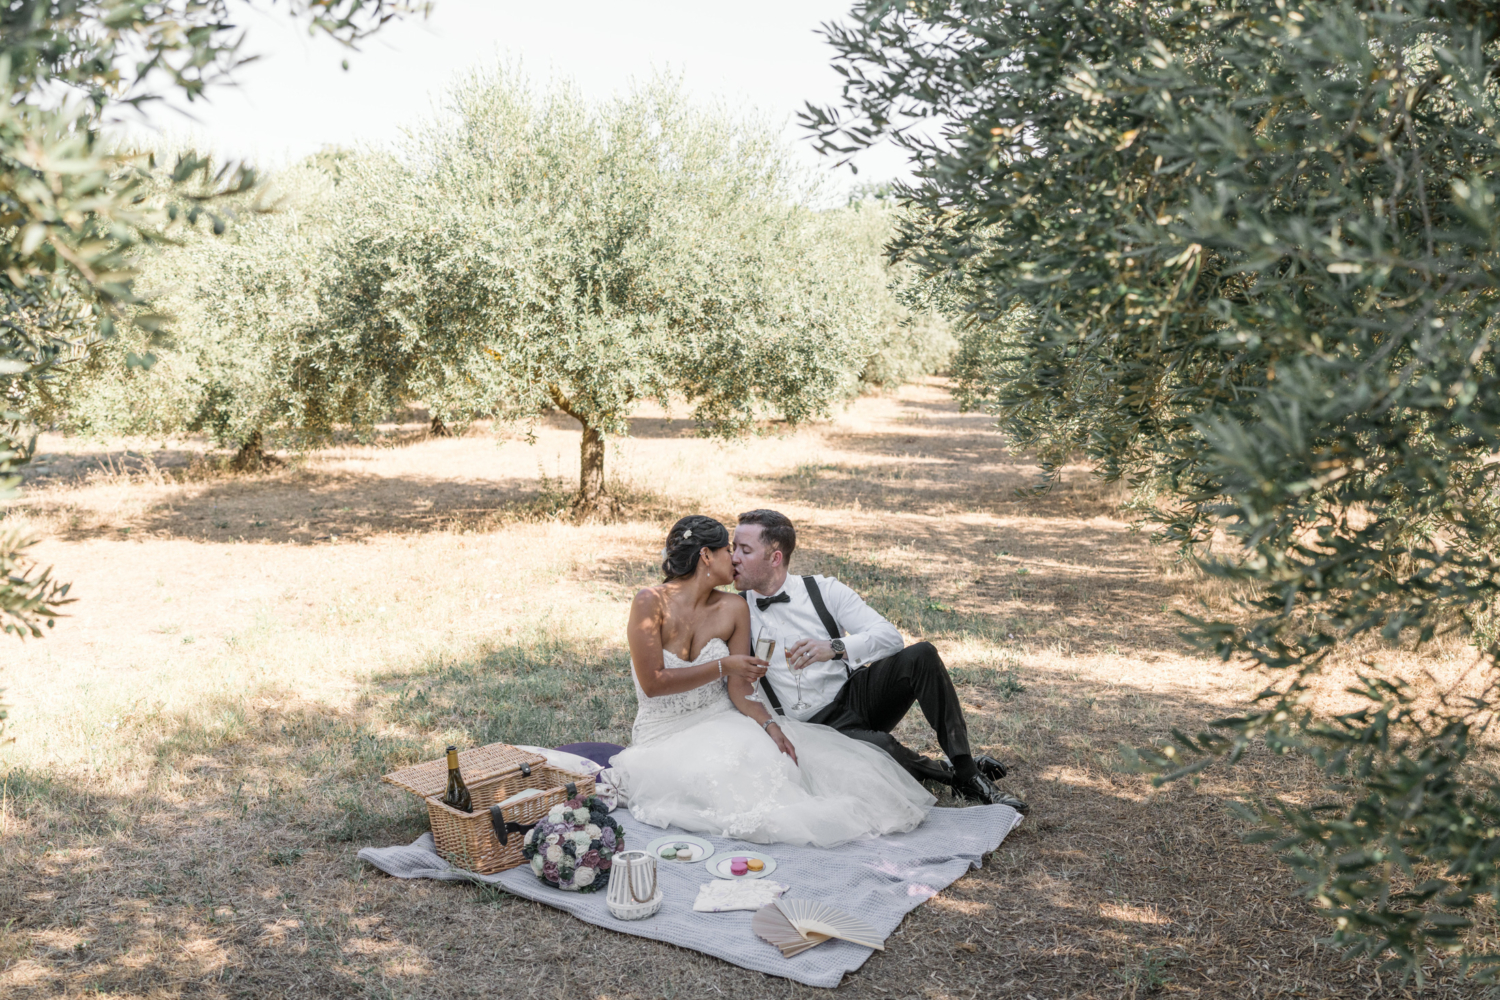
{"x":875,"y":699}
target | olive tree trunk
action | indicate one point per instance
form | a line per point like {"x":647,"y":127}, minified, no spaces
{"x":591,"y":493}
{"x":252,"y":456}
{"x":592,"y":497}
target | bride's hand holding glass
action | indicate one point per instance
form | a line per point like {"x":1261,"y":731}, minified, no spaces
{"x":747,"y":668}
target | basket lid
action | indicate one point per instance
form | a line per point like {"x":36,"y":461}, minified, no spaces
{"x":476,"y":764}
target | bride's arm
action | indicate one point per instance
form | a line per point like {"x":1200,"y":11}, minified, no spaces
{"x":740,"y":689}
{"x":647,"y":612}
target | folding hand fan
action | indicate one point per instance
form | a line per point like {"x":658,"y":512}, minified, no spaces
{"x":771,"y":925}
{"x":812,"y":916}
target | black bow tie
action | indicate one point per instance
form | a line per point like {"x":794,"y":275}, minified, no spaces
{"x":765,"y":602}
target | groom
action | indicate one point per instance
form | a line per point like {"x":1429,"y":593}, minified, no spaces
{"x":859,"y":680}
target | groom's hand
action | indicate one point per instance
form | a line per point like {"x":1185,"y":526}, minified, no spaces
{"x":807,"y":651}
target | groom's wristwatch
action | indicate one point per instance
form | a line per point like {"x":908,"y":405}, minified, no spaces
{"x":838,"y":648}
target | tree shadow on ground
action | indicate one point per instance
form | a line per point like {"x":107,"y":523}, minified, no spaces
{"x":73,"y":468}
{"x":932,"y":484}
{"x":304,"y":507}
{"x":231,"y":873}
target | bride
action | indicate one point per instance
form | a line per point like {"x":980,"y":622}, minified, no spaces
{"x":706,"y":755}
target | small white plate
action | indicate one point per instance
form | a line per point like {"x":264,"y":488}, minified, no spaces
{"x":702,"y":849}
{"x":719,"y":867}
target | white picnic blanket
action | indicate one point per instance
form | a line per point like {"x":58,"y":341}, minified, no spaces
{"x":881,"y":880}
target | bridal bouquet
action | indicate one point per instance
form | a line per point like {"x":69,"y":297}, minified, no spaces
{"x":572,"y":846}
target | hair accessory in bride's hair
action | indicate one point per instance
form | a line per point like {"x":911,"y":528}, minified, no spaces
{"x":687,"y":534}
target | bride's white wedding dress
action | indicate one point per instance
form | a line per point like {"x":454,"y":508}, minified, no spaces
{"x":698,"y":764}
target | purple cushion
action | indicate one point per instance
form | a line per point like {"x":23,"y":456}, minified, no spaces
{"x":599,"y":753}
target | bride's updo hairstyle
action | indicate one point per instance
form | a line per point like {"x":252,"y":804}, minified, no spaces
{"x":686,"y":541}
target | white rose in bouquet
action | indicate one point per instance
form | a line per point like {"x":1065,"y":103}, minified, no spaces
{"x":584,"y":876}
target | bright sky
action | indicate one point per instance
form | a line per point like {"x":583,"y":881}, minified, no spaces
{"x":297,"y":99}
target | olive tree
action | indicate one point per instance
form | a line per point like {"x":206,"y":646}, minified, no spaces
{"x":74,"y":209}
{"x":585,"y":256}
{"x":1254,"y":247}
{"x":912,"y":335}
{"x":527,"y":251}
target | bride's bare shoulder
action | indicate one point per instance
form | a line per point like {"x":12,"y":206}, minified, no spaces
{"x":650,"y":595}
{"x":735,"y":604}
{"x":649,"y":599}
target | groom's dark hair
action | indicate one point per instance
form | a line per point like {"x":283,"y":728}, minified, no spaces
{"x":776,"y":528}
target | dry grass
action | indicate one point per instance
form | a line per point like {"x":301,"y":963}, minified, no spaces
{"x":196,"y":751}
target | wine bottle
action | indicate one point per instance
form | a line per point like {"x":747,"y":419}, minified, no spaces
{"x":457,"y":794}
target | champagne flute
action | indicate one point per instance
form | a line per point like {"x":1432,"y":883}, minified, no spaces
{"x":800,"y":705}
{"x":765,"y":645}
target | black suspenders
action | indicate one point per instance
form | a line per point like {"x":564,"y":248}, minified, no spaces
{"x":829,"y":622}
{"x":834,"y":632}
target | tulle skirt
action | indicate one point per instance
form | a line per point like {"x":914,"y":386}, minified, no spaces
{"x":724,"y":776}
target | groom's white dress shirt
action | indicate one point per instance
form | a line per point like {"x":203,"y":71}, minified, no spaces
{"x":867,"y":637}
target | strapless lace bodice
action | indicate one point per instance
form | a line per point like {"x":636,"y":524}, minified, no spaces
{"x":656,"y":718}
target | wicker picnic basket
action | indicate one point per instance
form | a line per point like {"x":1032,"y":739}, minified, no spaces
{"x":472,"y":841}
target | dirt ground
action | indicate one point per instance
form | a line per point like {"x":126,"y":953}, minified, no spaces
{"x":194,"y":754}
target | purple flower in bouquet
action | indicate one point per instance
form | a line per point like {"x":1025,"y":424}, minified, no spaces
{"x":573,"y":846}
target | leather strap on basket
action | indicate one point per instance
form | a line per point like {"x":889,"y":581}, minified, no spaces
{"x":504,"y":829}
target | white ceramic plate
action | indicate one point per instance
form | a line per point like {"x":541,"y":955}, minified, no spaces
{"x":719,"y":866}
{"x":702,"y":849}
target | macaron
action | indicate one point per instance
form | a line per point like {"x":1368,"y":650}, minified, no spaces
{"x":755,"y":864}
{"x":669,"y":853}
{"x":738,"y":867}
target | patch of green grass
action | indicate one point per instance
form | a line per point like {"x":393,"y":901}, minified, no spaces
{"x":1004,"y":681}
{"x":542,"y":692}
{"x":903,"y":598}
{"x":808,"y":473}
{"x":1146,"y":975}
{"x":53,"y":806}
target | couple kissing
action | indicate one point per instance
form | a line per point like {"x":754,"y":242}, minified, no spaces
{"x":795,"y":748}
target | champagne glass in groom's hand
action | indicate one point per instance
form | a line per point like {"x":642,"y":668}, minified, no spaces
{"x":797,"y":668}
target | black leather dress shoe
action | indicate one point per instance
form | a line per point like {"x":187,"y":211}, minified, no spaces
{"x":981,"y":789}
{"x":989,"y":767}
